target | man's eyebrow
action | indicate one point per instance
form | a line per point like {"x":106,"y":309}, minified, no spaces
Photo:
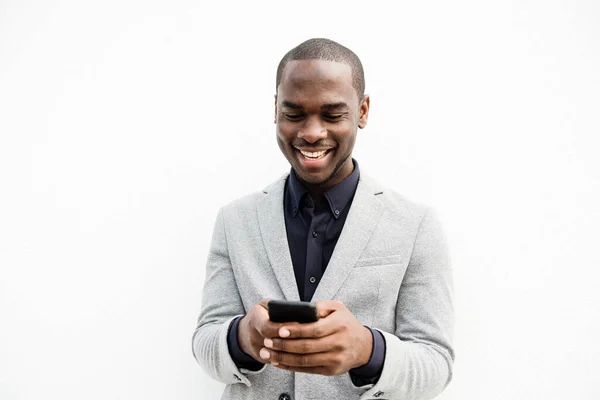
{"x":338,"y":105}
{"x":329,"y":106}
{"x":289,"y":104}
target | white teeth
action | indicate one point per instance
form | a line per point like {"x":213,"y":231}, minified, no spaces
{"x":313,"y":154}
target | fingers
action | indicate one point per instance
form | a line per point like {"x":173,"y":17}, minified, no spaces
{"x":326,"y":363}
{"x":302,"y":346}
{"x":292,"y":330}
{"x":324,"y":347}
{"x":294,"y":360}
{"x":268,"y":329}
{"x":261,"y":322}
{"x":311,"y":330}
{"x":325,"y":326}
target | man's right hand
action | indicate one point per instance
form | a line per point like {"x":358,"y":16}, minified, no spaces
{"x":254,"y":327}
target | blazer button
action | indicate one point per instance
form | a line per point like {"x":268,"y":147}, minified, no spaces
{"x":315,"y":234}
{"x":284,"y":396}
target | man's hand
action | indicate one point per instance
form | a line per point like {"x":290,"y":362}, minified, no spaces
{"x":333,"y":345}
{"x":253,"y":328}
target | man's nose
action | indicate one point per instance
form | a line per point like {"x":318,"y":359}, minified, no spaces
{"x":312,"y":130}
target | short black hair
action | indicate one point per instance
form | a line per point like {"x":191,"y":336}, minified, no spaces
{"x":326,"y":49}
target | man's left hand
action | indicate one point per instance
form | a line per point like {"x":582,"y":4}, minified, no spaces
{"x":333,"y":345}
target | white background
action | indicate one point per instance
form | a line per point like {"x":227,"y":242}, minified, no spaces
{"x":125,"y":125}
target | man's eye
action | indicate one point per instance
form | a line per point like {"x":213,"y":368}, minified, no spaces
{"x":294,"y":117}
{"x":333,"y":117}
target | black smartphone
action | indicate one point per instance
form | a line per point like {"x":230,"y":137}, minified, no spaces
{"x":292,"y":311}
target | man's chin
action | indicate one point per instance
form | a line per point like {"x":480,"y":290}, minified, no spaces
{"x":318,"y":179}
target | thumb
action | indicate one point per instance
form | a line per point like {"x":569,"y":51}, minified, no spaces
{"x":327,"y":307}
{"x":264,"y":302}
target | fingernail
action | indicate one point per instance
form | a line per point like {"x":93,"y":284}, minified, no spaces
{"x":274,"y":363}
{"x":264,"y":353}
{"x":284,"y":332}
{"x":268,"y":343}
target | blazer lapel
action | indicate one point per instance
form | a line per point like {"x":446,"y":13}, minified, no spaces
{"x":361,"y":221}
{"x":272,"y":228}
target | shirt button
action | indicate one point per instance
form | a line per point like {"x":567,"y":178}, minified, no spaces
{"x":337,"y":212}
{"x":284,"y":396}
{"x":315,"y":234}
{"x":312,"y":279}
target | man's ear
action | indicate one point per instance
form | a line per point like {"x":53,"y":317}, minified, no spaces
{"x":275,"y":115}
{"x":363,"y":111}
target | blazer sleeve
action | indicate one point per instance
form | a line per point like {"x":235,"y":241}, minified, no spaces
{"x":221,"y":303}
{"x":419,"y":355}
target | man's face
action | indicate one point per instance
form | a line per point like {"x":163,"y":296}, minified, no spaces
{"x":317,"y":113}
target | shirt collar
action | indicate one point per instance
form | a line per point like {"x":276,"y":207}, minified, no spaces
{"x":338,"y":197}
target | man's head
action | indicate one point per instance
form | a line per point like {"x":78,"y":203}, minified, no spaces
{"x":319,"y":105}
{"x":325,"y":49}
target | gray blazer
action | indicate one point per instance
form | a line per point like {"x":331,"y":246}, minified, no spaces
{"x":390,"y":267}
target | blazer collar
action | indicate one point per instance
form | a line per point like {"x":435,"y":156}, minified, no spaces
{"x":362,"y":219}
{"x":271,"y":223}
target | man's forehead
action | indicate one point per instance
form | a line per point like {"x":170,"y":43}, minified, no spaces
{"x":300,"y":72}
{"x":316,"y":82}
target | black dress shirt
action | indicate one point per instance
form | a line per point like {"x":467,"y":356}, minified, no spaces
{"x":313,"y":229}
{"x":312,"y":232}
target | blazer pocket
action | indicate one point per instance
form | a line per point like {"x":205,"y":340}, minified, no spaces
{"x":377,"y":261}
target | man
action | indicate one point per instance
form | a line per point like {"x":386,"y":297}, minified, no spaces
{"x":374,"y":262}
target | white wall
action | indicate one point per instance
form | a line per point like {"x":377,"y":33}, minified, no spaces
{"x":125,"y":124}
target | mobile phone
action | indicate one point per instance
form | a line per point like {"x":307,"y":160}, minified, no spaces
{"x":292,"y":311}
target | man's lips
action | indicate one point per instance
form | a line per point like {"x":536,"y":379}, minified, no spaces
{"x":313,"y":153}
{"x":313,"y":160}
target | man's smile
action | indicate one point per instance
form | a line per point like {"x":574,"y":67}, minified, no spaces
{"x":313,"y":154}
{"x":313,"y":159}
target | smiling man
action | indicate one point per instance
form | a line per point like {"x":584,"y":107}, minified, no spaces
{"x":374,"y":262}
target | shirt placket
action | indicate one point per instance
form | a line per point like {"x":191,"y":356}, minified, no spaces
{"x":314,"y":254}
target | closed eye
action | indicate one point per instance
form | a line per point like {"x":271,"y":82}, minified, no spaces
{"x":294,"y":117}
{"x":333,"y":117}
